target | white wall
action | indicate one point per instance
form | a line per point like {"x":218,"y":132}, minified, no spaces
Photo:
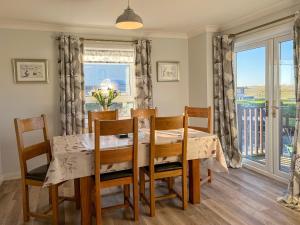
{"x":1,"y":173}
{"x":171,"y":97}
{"x":197,"y":65}
{"x":27,"y":100}
{"x":201,"y":70}
{"x":201,"y":74}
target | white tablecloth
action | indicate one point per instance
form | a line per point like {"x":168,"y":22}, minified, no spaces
{"x":73,"y":155}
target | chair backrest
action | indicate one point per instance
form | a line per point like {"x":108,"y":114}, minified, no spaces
{"x":25,"y":153}
{"x":143,"y":113}
{"x":103,"y":115}
{"x":171,"y":149}
{"x":118,"y":154}
{"x":199,"y":113}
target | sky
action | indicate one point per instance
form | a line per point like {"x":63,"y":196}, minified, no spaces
{"x":251,"y":66}
{"x":95,"y":73}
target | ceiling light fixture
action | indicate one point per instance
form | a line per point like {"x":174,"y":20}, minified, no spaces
{"x":129,"y":20}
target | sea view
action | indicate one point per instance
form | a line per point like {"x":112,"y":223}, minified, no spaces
{"x":95,"y":73}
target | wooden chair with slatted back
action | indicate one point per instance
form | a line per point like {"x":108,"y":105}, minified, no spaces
{"x":166,"y":170}
{"x":102,"y":115}
{"x":204,"y":113}
{"x":116,"y":155}
{"x":146,"y":114}
{"x":37,"y":176}
{"x":143,"y":113}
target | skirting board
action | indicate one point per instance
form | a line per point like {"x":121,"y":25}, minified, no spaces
{"x":1,"y":179}
{"x":9,"y":176}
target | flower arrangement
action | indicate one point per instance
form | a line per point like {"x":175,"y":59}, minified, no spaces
{"x":105,"y":95}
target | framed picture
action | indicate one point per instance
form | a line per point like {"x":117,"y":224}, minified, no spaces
{"x":30,"y":70}
{"x":167,"y":71}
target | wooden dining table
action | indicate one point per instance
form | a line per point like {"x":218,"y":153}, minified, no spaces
{"x":73,"y":157}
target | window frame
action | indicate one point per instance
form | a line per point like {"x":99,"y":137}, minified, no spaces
{"x":123,"y":98}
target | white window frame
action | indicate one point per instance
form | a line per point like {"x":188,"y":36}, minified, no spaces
{"x":122,"y":98}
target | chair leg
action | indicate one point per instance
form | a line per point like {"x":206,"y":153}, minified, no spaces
{"x":77,"y":193}
{"x":152,"y":197}
{"x":25,"y":196}
{"x":142,"y":182}
{"x":136,"y":198}
{"x":50,"y":196}
{"x":54,"y":198}
{"x":170,"y":184}
{"x":209,"y":173}
{"x":98,"y":204}
{"x":126,"y":194}
{"x":184,"y":190}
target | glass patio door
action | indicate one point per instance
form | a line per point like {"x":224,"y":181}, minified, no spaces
{"x":265,"y":99}
{"x":253,"y":97}
{"x":284,"y":109}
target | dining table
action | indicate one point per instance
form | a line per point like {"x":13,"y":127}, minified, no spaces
{"x":73,"y":158}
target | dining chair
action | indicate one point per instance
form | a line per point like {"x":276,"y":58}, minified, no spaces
{"x":205,"y":113}
{"x":36,"y":176}
{"x":127,"y":153}
{"x":143,"y":113}
{"x":166,"y":170}
{"x":146,"y":114}
{"x":101,"y":115}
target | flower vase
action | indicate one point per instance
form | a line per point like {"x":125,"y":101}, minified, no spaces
{"x":104,"y":108}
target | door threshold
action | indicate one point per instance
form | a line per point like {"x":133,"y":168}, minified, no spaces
{"x":265,"y":173}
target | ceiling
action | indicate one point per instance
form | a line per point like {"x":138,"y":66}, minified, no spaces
{"x":177,"y":16}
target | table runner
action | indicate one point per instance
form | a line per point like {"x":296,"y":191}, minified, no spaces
{"x":73,"y":155}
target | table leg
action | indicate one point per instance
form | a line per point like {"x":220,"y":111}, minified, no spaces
{"x":77,"y":192}
{"x":194,"y":181}
{"x":85,"y":199}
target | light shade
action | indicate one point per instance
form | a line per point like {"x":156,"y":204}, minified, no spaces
{"x":129,"y":20}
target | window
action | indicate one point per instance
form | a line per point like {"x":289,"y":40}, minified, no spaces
{"x":114,"y":64}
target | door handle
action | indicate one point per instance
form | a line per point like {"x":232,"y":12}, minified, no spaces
{"x":267,"y":107}
{"x":274,"y":110}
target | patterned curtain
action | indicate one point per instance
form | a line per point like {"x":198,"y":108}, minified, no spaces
{"x":143,"y":74}
{"x":143,"y":77}
{"x":292,"y":198}
{"x":224,"y":100}
{"x":71,"y":85}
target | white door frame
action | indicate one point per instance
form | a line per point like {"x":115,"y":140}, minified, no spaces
{"x":268,"y":96}
{"x":276,"y":103}
{"x":268,"y":38}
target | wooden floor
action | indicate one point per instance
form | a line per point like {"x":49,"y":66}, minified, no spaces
{"x":243,"y":197}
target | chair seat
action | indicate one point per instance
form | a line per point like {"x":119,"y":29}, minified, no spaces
{"x":38,"y":173}
{"x":116,"y":175}
{"x":166,"y":167}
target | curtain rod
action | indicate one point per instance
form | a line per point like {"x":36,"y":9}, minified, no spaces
{"x":106,"y":40}
{"x":265,"y":24}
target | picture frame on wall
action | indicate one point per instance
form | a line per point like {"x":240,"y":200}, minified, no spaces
{"x":167,"y":71}
{"x":30,"y":70}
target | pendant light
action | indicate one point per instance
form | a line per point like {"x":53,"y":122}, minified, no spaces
{"x":129,"y":20}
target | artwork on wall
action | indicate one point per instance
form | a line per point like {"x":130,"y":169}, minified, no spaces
{"x":167,"y":71}
{"x":30,"y":70}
